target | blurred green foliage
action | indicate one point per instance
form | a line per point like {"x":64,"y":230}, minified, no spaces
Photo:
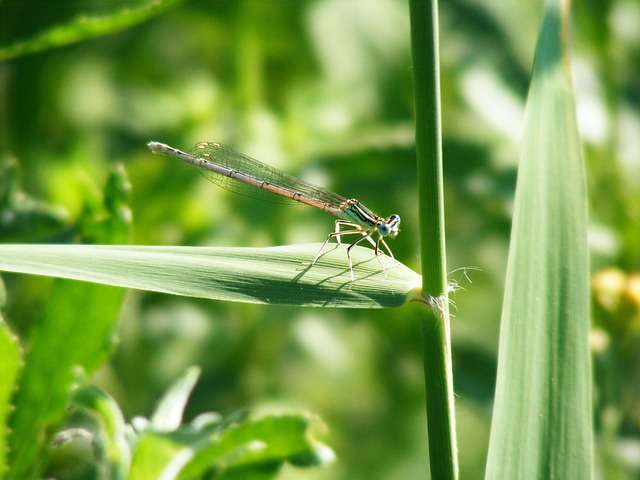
{"x":321,"y":89}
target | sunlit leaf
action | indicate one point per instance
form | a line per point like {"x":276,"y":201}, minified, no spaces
{"x":279,"y":275}
{"x":542,"y":415}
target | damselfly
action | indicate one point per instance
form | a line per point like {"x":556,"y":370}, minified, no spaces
{"x":235,"y":171}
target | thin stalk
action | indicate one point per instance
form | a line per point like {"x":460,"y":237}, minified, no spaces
{"x":435,"y":321}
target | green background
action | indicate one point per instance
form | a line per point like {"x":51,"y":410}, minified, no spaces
{"x":322,"y":90}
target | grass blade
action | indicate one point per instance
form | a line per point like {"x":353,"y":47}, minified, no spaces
{"x":279,"y":275}
{"x":542,"y":415}
{"x":84,"y":28}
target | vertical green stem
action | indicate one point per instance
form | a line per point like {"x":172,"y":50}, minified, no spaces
{"x":435,"y":321}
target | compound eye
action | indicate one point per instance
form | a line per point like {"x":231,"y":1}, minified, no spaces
{"x":384,"y":229}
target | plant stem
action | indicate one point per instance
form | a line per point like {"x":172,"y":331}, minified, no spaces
{"x":435,"y":321}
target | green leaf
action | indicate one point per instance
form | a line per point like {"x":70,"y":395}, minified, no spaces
{"x":153,"y":452}
{"x":542,"y":415}
{"x":84,"y":28}
{"x":278,"y":275}
{"x":73,"y":333}
{"x":10,"y":364}
{"x":112,"y":435}
{"x":230,"y":447}
{"x":168,"y":414}
{"x":73,"y":337}
{"x":252,"y":446}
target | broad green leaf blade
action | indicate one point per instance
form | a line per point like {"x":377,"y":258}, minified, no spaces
{"x":542,"y":415}
{"x":84,"y":28}
{"x":10,"y":364}
{"x":278,"y":275}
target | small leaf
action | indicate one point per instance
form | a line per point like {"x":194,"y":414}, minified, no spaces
{"x":168,"y":414}
{"x":256,"y":445}
{"x":114,"y":448}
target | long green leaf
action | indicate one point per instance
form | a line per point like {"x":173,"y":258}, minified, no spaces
{"x":280,"y":275}
{"x":542,"y":415}
{"x":84,"y":28}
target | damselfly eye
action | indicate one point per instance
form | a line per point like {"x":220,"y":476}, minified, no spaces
{"x":390,"y":227}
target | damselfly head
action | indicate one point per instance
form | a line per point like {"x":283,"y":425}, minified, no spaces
{"x":390,"y":227}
